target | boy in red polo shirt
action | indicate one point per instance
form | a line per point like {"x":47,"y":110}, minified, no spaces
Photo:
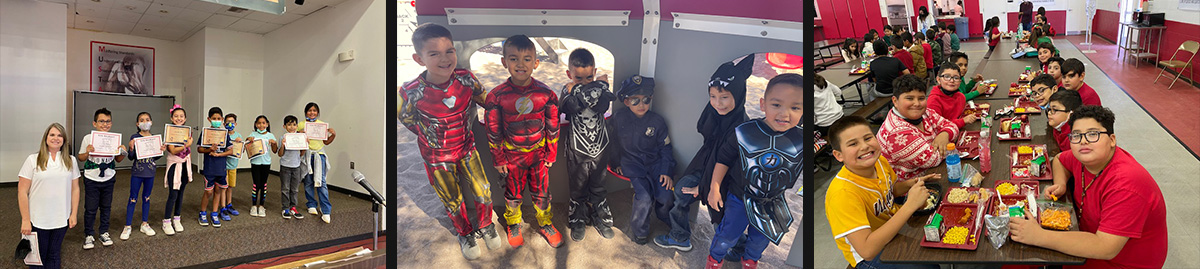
{"x":1122,"y":215}
{"x":945,"y":99}
{"x":900,"y":52}
{"x":1072,"y":70}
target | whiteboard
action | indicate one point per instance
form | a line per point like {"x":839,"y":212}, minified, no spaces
{"x":124,"y":108}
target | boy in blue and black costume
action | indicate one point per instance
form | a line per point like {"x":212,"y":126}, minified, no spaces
{"x":645,"y":155}
{"x":765,"y":157}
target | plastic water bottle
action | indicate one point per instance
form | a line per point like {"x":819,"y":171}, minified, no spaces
{"x":953,"y":164}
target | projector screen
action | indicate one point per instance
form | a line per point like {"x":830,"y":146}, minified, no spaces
{"x":125,"y":109}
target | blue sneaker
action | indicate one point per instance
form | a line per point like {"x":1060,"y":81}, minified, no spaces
{"x":216,"y":220}
{"x":232,"y":211}
{"x":665,"y":241}
{"x":225,"y":215}
{"x":203,"y":218}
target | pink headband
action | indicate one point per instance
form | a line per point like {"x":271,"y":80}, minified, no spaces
{"x":173,"y":108}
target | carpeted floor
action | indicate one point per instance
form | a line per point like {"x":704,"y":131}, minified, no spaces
{"x":241,"y":237}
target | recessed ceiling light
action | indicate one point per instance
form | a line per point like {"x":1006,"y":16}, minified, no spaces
{"x":91,"y":21}
{"x":131,"y":7}
{"x":97,"y":1}
{"x":147,"y":29}
{"x":163,"y":11}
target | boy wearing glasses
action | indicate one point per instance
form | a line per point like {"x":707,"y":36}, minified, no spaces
{"x":945,"y":99}
{"x":1041,"y":88}
{"x":98,"y":188}
{"x":1058,"y":112}
{"x":645,"y":155}
{"x":1122,"y":215}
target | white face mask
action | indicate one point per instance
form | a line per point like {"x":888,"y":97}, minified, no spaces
{"x":145,"y":126}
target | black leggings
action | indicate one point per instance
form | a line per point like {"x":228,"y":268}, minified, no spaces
{"x":175,"y":198}
{"x":260,"y":172}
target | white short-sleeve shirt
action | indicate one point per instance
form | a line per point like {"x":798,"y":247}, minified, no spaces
{"x":95,"y":174}
{"x":50,"y":191}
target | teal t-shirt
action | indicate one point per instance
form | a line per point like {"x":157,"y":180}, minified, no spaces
{"x":264,"y":159}
{"x":232,"y":162}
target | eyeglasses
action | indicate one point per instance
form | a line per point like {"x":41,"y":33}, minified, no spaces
{"x":950,"y":77}
{"x":638,"y":101}
{"x":104,"y":121}
{"x":1092,"y":136}
{"x":1051,"y":111}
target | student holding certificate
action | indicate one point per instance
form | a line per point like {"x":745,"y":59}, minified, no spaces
{"x":314,"y":182}
{"x":260,"y":165}
{"x":48,"y":194}
{"x":99,"y":171}
{"x":141,"y":176}
{"x":179,"y":168}
{"x":291,"y":170}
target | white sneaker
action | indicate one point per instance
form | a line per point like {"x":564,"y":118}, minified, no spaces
{"x":125,"y":232}
{"x":105,"y":239}
{"x":89,"y":242}
{"x":167,"y":229}
{"x":178,"y":225}
{"x":257,"y":211}
{"x":325,"y":218}
{"x":146,"y":229}
{"x":312,"y":211}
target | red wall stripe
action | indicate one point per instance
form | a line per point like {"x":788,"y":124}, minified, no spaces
{"x":845,"y":26}
{"x":859,"y":19}
{"x":828,"y":20}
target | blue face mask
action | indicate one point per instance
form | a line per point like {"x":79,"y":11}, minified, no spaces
{"x":310,"y":119}
{"x":261,"y":131}
{"x":229,"y":126}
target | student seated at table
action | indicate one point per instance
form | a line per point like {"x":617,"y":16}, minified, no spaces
{"x":916,"y":54}
{"x":1058,"y":111}
{"x":886,"y":69}
{"x":901,"y":52}
{"x":1029,"y":45}
{"x":919,"y":42}
{"x":1054,"y":68}
{"x":1041,"y":88}
{"x":913,"y":137}
{"x":868,"y":45}
{"x":851,"y":50}
{"x":827,"y":108}
{"x":1044,"y":53}
{"x":969,"y":89}
{"x":1122,"y":215}
{"x":952,"y":31}
{"x":888,"y":36}
{"x":1073,"y":71}
{"x":945,"y":99}
{"x":1045,"y":25}
{"x":860,"y":200}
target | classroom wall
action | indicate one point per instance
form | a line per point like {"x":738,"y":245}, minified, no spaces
{"x":168,"y":64}
{"x":300,"y":66}
{"x":233,"y":79}
{"x":33,"y":48}
{"x":1066,"y":16}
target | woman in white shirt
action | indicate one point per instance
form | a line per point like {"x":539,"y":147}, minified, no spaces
{"x":48,"y":194}
{"x":924,"y":19}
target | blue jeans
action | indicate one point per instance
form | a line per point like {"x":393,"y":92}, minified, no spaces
{"x":681,"y":229}
{"x":97,"y":197}
{"x":323,"y":191}
{"x":50,"y":246}
{"x":875,"y":263}
{"x":144,"y":185}
{"x":648,"y":194}
{"x":732,"y":227}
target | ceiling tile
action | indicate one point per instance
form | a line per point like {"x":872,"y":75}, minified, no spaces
{"x":94,"y":11}
{"x":183,"y":25}
{"x":203,"y":6}
{"x":220,"y":21}
{"x":98,"y":3}
{"x":154,"y":20}
{"x":302,"y":9}
{"x":124,"y":15}
{"x":174,"y":3}
{"x":267,"y":28}
{"x":193,"y":15}
{"x":246,"y":25}
{"x":164,"y":10}
{"x":260,"y":16}
{"x":134,"y":6}
{"x":286,"y":18}
{"x":119,"y":27}
{"x":89,"y":23}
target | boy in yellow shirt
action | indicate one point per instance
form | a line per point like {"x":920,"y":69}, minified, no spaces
{"x":859,"y":202}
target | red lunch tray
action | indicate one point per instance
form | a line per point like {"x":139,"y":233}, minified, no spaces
{"x":1030,"y":106}
{"x":946,"y":196}
{"x":1024,"y":125}
{"x":1046,"y":175}
{"x":950,"y":215}
{"x":1019,"y":183}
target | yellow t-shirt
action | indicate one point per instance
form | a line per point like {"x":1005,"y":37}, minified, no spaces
{"x":313,"y":144}
{"x":853,"y":203}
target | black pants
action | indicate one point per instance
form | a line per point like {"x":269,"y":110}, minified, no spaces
{"x":97,"y":196}
{"x":260,"y":172}
{"x":587,"y":192}
{"x":175,"y":197}
{"x":50,"y":246}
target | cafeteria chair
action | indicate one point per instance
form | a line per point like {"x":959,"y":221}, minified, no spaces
{"x":1173,"y":63}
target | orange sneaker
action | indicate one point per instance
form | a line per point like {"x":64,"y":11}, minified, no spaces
{"x":514,"y":235}
{"x":551,"y":234}
{"x":712,"y":264}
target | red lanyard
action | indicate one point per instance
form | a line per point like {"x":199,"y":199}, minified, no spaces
{"x":1082,"y":179}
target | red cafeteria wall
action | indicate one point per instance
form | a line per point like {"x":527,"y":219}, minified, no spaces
{"x":1056,"y":18}
{"x":841,"y":19}
{"x":1107,"y":24}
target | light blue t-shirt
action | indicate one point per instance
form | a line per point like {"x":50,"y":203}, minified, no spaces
{"x":290,"y":159}
{"x":233,"y":160}
{"x":264,"y":159}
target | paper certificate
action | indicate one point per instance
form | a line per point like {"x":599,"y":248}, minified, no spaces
{"x":255,"y":147}
{"x":105,"y":144}
{"x":213,"y":137}
{"x":295,"y":141}
{"x":34,"y":257}
{"x":316,"y":130}
{"x":148,"y":146}
{"x":175,"y":135}
{"x":236,"y":148}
